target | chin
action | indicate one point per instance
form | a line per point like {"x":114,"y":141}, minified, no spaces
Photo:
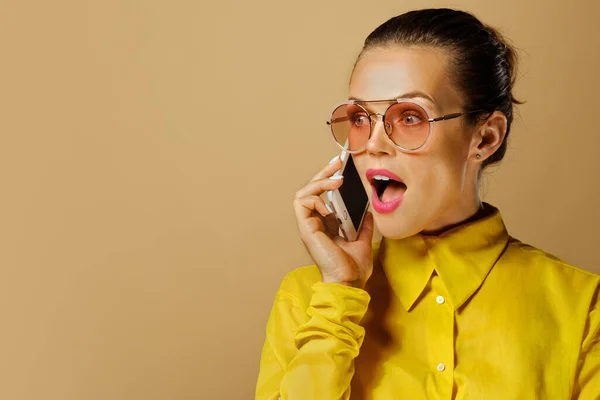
{"x":396,"y":225}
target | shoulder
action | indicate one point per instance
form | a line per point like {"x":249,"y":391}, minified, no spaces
{"x":527,"y":255}
{"x":547,"y":272}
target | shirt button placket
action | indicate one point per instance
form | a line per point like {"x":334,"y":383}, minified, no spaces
{"x":443,"y":356}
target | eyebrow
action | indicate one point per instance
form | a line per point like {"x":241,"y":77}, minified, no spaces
{"x":409,"y":95}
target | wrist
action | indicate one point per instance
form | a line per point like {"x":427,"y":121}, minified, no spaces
{"x":359,"y":284}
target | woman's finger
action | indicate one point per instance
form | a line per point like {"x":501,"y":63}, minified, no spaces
{"x":330,"y":169}
{"x":332,"y":225}
{"x":366,"y":231}
{"x":304,"y":206}
{"x":318,"y":187}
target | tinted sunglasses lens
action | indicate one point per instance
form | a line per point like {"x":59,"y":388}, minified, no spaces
{"x":351,"y":126}
{"x":407,"y":125}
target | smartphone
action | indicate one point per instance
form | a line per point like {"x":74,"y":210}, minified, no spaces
{"x":350,"y":201}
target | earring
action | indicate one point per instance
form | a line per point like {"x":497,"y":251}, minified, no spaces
{"x":478,"y":156}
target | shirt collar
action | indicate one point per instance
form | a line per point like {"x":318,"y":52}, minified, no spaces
{"x":461,"y":256}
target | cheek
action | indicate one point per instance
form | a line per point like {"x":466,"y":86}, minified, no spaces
{"x":428,"y":174}
{"x":359,"y":162}
{"x":451,"y":147}
{"x":441,"y":168}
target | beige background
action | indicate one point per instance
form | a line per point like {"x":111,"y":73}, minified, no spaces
{"x":150,"y":151}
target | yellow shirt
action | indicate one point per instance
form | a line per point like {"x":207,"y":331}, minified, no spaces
{"x":470,"y":314}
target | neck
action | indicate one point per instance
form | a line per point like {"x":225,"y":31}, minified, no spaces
{"x":459,"y":216}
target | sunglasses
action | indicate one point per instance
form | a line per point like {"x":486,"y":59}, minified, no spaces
{"x":406,"y":122}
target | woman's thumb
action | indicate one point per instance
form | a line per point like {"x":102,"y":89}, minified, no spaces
{"x":366,"y":232}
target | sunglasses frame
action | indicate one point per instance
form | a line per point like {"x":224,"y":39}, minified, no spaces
{"x":431,"y":120}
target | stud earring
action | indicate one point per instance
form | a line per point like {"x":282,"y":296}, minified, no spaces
{"x":478,"y":156}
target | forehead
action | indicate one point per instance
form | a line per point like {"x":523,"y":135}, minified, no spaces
{"x":387,"y":73}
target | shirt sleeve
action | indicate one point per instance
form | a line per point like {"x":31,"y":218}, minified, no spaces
{"x":309,"y":354}
{"x":587,"y":382}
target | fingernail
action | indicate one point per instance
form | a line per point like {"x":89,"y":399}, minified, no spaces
{"x":329,"y":208}
{"x":336,"y":177}
{"x":334,"y":159}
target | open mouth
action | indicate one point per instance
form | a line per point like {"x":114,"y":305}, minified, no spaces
{"x":387,"y":189}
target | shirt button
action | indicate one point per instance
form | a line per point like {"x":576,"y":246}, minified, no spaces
{"x":440,"y":299}
{"x":441,"y":367}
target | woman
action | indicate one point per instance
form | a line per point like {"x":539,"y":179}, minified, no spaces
{"x":447,"y":305}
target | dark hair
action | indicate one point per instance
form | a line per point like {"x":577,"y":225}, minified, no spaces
{"x":483,"y":65}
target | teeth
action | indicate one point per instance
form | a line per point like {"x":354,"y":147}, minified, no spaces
{"x":381,"y":178}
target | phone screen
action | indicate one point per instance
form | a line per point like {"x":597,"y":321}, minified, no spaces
{"x":353,"y":193}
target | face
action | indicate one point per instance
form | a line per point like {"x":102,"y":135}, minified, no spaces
{"x":440,"y":179}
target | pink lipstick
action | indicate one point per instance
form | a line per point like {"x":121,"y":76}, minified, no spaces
{"x":388,"y":190}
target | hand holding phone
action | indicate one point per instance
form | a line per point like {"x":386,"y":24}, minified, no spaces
{"x":339,"y":261}
{"x":350,"y":201}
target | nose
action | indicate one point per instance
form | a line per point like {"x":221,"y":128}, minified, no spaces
{"x":379,"y":142}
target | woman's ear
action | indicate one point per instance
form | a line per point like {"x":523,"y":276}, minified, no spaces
{"x":489,"y":136}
